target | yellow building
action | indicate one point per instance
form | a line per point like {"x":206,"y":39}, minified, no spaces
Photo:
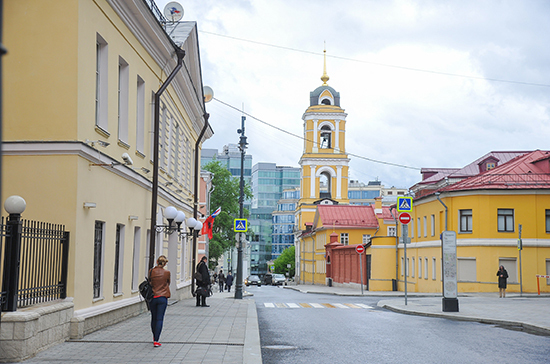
{"x":505,"y":198}
{"x":78,"y":86}
{"x":324,"y":162}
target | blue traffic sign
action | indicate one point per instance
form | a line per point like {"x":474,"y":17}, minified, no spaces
{"x":240,"y":225}
{"x":404,"y":204}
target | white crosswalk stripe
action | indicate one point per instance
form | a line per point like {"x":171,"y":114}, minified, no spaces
{"x":317,"y":305}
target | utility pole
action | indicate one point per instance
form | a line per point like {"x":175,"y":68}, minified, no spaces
{"x":241,"y":239}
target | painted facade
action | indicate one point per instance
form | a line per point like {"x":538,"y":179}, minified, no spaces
{"x":78,"y":85}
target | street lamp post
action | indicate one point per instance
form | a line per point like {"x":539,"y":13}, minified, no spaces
{"x":240,"y":241}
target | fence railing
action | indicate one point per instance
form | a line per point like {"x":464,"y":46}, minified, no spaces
{"x":35,"y":260}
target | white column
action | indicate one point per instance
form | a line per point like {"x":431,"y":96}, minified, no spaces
{"x":315,"y":142}
{"x":337,"y":137}
{"x":312,"y":182}
{"x":339,"y":182}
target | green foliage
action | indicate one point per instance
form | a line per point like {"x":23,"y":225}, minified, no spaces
{"x":286,"y":257}
{"x":225,"y":195}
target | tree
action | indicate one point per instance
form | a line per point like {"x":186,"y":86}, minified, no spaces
{"x":225,"y":195}
{"x":286,"y":257}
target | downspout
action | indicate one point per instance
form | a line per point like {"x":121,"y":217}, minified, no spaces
{"x":396,"y":252}
{"x":437,"y":195}
{"x":196,"y":198}
{"x":180,"y":53}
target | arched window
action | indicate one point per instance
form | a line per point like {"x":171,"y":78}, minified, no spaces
{"x":325,"y":102}
{"x":326,"y":137}
{"x":324,"y":185}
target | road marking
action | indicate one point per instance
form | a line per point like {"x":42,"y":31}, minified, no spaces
{"x":365,"y":306}
{"x":316,"y":305}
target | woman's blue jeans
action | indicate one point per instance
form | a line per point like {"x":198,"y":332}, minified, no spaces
{"x":158,"y":308}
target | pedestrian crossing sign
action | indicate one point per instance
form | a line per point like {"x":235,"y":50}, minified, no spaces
{"x":240,"y":225}
{"x":404,"y":204}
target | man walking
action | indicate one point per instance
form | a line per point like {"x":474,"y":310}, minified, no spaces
{"x":221,"y":280}
{"x":229,"y":281}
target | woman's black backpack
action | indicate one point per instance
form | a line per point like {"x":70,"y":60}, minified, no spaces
{"x":146,"y":291}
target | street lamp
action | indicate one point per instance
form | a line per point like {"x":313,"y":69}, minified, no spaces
{"x":242,"y":147}
{"x":172,"y":215}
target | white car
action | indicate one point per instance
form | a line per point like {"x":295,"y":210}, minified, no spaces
{"x":278,"y":279}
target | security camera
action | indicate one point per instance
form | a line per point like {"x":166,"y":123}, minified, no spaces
{"x":127,"y":160}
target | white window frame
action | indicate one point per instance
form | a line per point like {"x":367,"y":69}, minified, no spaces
{"x":434,"y":269}
{"x":465,"y":217}
{"x":419,"y":267}
{"x":412,"y":267}
{"x":433,"y":225}
{"x":135,"y":258}
{"x":505,"y":223}
{"x":419,"y":227}
{"x":344,"y":238}
{"x":426,"y":268}
{"x":123,"y":98}
{"x":392,"y":231}
{"x":102,"y":84}
{"x":402,"y":266}
{"x":140,"y":115}
{"x":425,"y":226}
{"x":366,"y":238}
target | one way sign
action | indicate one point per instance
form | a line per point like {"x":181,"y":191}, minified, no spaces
{"x":404,"y":204}
{"x":240,"y":225}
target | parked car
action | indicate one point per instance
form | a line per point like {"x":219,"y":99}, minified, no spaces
{"x":254,"y":280}
{"x":278,"y":279}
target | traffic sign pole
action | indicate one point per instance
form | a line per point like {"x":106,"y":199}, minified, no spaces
{"x":360,"y":249}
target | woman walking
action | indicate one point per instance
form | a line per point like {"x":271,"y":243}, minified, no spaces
{"x":502,"y":277}
{"x":160,"y":282}
{"x":204,"y":283}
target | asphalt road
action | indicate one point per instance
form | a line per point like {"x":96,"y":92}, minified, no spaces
{"x":313,"y":328}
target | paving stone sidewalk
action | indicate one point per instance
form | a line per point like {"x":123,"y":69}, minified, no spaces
{"x":226,"y":332}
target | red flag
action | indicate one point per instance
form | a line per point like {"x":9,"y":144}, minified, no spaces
{"x":207,"y":227}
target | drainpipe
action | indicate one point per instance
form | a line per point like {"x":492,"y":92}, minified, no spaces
{"x":196,"y":198}
{"x":394,"y":286}
{"x":180,"y":53}
{"x":437,"y":195}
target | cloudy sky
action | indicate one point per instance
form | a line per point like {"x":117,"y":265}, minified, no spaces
{"x":424,"y":83}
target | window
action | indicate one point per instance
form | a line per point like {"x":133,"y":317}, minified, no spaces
{"x":135,"y":260}
{"x":402,"y":265}
{"x":140,"y":116}
{"x":366,"y":238}
{"x":466,"y":270}
{"x":119,"y":244}
{"x":547,"y":221}
{"x":412,"y":267}
{"x":391,"y":231}
{"x":425,"y":267}
{"x":547,"y":271}
{"x":505,"y":220}
{"x":101,"y":97}
{"x":425,"y":226}
{"x":407,"y":268}
{"x":434,"y":269}
{"x":123,"y":92}
{"x":418,"y":227}
{"x":433,"y":225}
{"x":344,"y":238}
{"x":419,"y":267}
{"x":465,"y":221}
{"x":98,"y":257}
{"x":510,"y":264}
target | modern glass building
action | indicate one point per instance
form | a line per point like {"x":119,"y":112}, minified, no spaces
{"x":364,"y":194}
{"x":268,"y":183}
{"x":282,"y":236}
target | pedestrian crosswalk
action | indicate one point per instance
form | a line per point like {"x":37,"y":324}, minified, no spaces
{"x":316,"y":305}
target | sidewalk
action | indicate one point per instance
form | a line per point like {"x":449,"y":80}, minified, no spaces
{"x":528,"y":312}
{"x":225,"y":332}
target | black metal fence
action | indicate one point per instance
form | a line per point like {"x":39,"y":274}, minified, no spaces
{"x":35,"y":262}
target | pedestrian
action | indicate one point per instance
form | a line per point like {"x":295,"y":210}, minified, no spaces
{"x":160,"y":282}
{"x":221,"y":280}
{"x":502,"y":277}
{"x":203,"y":285}
{"x":229,"y":281}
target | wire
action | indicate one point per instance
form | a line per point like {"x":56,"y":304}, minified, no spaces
{"x":305,"y":139}
{"x":379,"y":64}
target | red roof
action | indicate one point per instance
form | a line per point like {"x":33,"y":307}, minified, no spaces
{"x":346,"y":216}
{"x":527,"y":171}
